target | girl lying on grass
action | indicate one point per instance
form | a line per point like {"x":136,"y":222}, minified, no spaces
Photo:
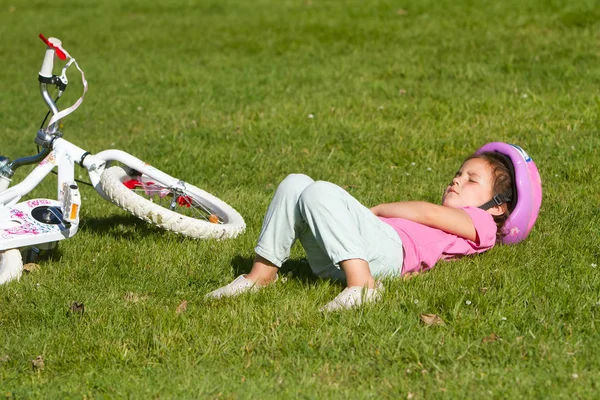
{"x":346,"y":241}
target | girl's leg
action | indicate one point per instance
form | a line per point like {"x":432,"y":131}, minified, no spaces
{"x":263,"y":271}
{"x":344,"y":234}
{"x":334,"y":229}
{"x":354,"y":241}
{"x":280,"y":229}
{"x":358,"y":273}
{"x":285,"y":222}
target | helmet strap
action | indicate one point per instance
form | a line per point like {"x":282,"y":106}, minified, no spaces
{"x":497,"y":200}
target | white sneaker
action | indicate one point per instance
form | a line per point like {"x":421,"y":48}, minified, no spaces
{"x":238,"y":286}
{"x":353,"y":297}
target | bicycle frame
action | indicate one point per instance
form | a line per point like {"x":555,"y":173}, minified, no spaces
{"x":18,"y":224}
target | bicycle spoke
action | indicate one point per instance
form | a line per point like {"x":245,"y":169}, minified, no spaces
{"x":175,"y":201}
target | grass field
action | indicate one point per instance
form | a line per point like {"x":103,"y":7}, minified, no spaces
{"x":385,"y":98}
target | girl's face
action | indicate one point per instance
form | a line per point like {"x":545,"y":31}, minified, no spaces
{"x":472,"y":185}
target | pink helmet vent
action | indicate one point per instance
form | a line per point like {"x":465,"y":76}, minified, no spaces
{"x":529,"y":191}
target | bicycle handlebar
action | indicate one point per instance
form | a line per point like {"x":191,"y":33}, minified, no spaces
{"x":46,"y":77}
{"x":46,"y":135}
{"x":53,"y":47}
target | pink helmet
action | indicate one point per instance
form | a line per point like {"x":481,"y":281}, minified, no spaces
{"x":528,"y":187}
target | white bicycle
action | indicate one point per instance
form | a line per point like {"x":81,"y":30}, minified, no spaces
{"x":37,"y":224}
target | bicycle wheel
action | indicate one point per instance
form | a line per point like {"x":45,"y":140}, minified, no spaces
{"x":186,"y":210}
{"x":11,"y":265}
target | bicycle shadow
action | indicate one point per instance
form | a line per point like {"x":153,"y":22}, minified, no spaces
{"x":296,"y":268}
{"x":123,"y":226}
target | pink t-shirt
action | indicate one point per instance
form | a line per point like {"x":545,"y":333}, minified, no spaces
{"x":424,"y":246}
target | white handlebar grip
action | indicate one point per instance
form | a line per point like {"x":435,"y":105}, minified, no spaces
{"x":48,"y":63}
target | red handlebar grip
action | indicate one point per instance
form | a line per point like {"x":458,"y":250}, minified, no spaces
{"x":45,"y":40}
{"x":57,"y":50}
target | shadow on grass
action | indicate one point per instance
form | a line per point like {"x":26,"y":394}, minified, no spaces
{"x":124,"y":226}
{"x":30,"y":256}
{"x":294,"y":268}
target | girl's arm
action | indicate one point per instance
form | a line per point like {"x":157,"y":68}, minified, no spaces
{"x":452,"y":220}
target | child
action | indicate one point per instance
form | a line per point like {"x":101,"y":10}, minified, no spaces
{"x":344,"y":240}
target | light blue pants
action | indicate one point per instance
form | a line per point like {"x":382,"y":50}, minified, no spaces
{"x":331,"y":225}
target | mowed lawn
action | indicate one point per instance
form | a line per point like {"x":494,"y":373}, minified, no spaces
{"x":385,"y":98}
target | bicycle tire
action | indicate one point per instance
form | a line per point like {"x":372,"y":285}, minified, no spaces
{"x":115,"y":183}
{"x":11,"y":265}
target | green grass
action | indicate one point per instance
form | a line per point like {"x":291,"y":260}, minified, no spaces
{"x":218,"y":93}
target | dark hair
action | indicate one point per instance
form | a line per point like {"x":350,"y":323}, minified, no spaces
{"x":503,"y":182}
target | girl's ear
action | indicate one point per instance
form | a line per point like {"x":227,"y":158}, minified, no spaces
{"x":498,"y":210}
